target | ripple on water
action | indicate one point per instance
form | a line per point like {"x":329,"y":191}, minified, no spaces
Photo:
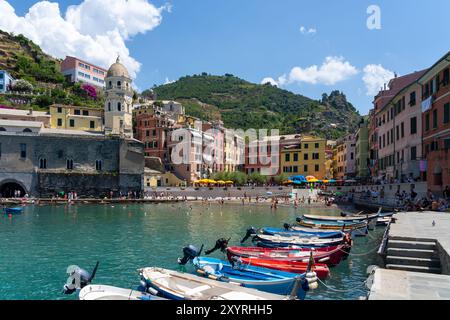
{"x":38,"y":245}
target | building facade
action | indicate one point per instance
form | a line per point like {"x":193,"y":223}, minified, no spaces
{"x":43,"y":162}
{"x":303,"y":155}
{"x":26,"y":115}
{"x":382,"y":138}
{"x":77,"y":70}
{"x":362,"y":150}
{"x":344,"y":157}
{"x":76,"y":118}
{"x":435,"y":105}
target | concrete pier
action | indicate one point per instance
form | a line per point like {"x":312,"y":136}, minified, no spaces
{"x":416,"y":251}
{"x":405,"y":285}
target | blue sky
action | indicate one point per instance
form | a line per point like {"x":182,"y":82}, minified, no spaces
{"x":255,"y":39}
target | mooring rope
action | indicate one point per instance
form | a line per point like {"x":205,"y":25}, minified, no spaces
{"x":360,"y":254}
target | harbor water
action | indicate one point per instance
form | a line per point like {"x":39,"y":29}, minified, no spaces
{"x":38,"y":245}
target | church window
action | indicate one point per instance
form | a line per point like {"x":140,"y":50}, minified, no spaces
{"x":119,"y":106}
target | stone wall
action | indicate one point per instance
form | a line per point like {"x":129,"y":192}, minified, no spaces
{"x":122,"y":164}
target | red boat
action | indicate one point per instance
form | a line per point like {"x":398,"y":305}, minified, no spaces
{"x":321,"y":269}
{"x":330,"y":256}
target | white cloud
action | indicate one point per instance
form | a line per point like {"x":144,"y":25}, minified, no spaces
{"x":332,"y":71}
{"x":307,"y":31}
{"x":94,"y":30}
{"x":269,"y":80}
{"x":375,"y":76}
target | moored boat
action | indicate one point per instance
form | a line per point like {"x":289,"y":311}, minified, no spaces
{"x":183,"y":286}
{"x":16,"y":210}
{"x":249,"y":276}
{"x":352,"y":218}
{"x":320,"y":269}
{"x":281,"y":241}
{"x":334,"y":225}
{"x":300,"y":233}
{"x":330,"y":256}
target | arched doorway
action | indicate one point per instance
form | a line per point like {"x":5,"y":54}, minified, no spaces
{"x":7,"y":189}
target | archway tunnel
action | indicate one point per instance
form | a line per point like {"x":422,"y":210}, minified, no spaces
{"x":8,"y":189}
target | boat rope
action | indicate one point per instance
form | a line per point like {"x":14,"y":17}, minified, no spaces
{"x":341,"y":290}
{"x":360,"y":254}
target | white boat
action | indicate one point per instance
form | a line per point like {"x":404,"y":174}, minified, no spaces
{"x":299,"y":241}
{"x":103,"y":292}
{"x":184,"y":286}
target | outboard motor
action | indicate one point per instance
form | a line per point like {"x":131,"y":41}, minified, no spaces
{"x":78,"y":278}
{"x":189,"y":253}
{"x":250,"y":232}
{"x":221,"y":244}
{"x":287,"y":226}
{"x":298,"y":219}
{"x":236,"y":262}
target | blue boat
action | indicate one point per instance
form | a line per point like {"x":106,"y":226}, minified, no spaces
{"x":301,"y":233}
{"x":16,"y":210}
{"x":264,"y":279}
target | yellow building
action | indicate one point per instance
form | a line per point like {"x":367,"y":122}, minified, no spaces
{"x":76,"y":118}
{"x":304,"y":155}
{"x":154,"y":178}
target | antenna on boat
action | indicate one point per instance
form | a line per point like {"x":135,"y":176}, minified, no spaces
{"x":311,"y":275}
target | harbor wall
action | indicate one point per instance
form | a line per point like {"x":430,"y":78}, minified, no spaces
{"x":45,"y":164}
{"x":388,"y":200}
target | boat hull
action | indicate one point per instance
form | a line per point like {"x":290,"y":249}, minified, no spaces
{"x":300,"y":233}
{"x":321,"y":270}
{"x":183,"y":286}
{"x":330,"y":256}
{"x":245,"y":275}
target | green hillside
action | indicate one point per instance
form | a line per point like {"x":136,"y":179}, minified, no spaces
{"x":43,"y":82}
{"x":241,"y":104}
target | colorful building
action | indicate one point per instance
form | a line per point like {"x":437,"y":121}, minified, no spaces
{"x":381,"y":130}
{"x":304,"y":155}
{"x":344,"y":157}
{"x":77,"y":70}
{"x":76,"y":118}
{"x":435,"y":105}
{"x":152,"y":127}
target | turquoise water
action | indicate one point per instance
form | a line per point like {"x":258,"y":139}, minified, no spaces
{"x":37,"y":246}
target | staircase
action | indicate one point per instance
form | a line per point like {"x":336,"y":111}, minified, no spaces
{"x":417,"y":255}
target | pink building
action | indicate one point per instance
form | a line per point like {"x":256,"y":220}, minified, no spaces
{"x":399,"y":136}
{"x":77,"y":70}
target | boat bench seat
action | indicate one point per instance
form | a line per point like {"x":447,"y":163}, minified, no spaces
{"x":191,"y":292}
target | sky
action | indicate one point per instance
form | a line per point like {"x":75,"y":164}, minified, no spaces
{"x":307,"y":47}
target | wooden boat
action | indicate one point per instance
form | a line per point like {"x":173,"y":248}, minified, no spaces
{"x":301,"y":233}
{"x":281,"y":241}
{"x":330,"y":256}
{"x":321,"y":270}
{"x":183,"y":286}
{"x":332,"y":225}
{"x":16,"y":210}
{"x":264,"y":279}
{"x":352,"y":218}
{"x":103,"y":292}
